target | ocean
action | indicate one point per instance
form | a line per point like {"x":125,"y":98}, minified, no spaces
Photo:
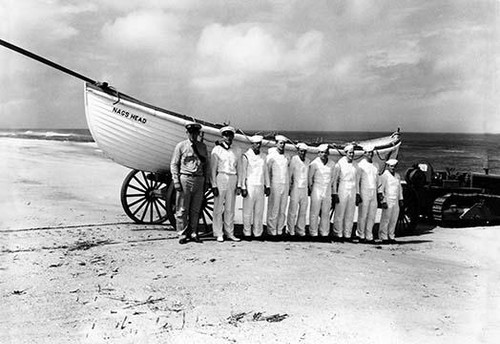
{"x":461,"y":152}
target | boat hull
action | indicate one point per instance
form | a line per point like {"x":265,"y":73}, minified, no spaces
{"x":143,"y":137}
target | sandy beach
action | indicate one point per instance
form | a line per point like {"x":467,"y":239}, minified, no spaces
{"x":75,"y":269}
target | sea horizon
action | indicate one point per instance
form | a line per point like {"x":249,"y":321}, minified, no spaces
{"x":469,"y":152}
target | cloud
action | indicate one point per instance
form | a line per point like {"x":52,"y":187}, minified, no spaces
{"x":126,"y":6}
{"x":50,"y":20}
{"x":144,"y":30}
{"x":233,"y":55}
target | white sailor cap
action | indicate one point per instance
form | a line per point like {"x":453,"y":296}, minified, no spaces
{"x":279,"y":138}
{"x":301,"y":146}
{"x":348,"y":148}
{"x":368,"y":148}
{"x":227,"y":129}
{"x":192,"y":126}
{"x":323,"y":147}
{"x":256,"y":138}
{"x":391,"y":162}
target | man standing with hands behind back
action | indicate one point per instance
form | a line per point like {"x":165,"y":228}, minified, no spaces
{"x":189,"y":168}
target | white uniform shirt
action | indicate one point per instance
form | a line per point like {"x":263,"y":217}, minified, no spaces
{"x":254,"y":169}
{"x":298,"y":172}
{"x":321,"y":175}
{"x":391,"y":186}
{"x":346,"y":175}
{"x":224,"y":161}
{"x":368,"y":175}
{"x":277,"y":165}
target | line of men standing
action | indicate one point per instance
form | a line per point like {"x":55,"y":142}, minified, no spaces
{"x":288,"y":183}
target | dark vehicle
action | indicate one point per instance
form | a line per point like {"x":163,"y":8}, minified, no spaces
{"x":449,"y":198}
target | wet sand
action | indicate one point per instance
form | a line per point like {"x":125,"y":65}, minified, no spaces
{"x":73,"y":268}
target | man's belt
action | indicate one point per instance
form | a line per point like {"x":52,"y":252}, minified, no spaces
{"x":191,"y":175}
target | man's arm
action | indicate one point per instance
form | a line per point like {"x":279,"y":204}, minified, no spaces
{"x":242,"y":176}
{"x":175,"y":164}
{"x":400,"y":188}
{"x":207,"y":171}
{"x":290,"y":172}
{"x":214,"y":160}
{"x":336,"y":176}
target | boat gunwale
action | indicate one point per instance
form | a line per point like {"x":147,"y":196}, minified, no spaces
{"x":113,"y":93}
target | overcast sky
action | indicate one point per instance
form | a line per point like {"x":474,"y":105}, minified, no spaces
{"x":363,"y":65}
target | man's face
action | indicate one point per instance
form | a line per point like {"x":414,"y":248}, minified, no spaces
{"x":256,"y":147}
{"x":369,"y":155}
{"x":193,"y":135}
{"x":391,"y":168}
{"x":302,"y":154}
{"x":281,"y":146}
{"x":323,"y":155}
{"x":228,"y":137}
{"x":350,"y":155}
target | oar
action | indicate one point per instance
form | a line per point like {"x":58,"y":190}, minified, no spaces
{"x":47,"y":62}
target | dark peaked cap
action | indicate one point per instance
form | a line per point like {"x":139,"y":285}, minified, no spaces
{"x":193,"y":126}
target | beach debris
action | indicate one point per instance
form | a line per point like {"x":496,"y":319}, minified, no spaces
{"x":56,"y":265}
{"x":276,"y":317}
{"x":176,"y":307}
{"x":19,"y":292}
{"x":85,"y":245}
{"x":149,"y":300}
{"x":255,"y":316}
{"x":123,"y":323}
{"x":235,"y":318}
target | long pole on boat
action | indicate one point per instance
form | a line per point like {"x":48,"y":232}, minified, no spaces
{"x":45,"y":61}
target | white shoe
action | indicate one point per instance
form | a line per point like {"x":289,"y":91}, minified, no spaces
{"x":233,"y":238}
{"x":220,"y":239}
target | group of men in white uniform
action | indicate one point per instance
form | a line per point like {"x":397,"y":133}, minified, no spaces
{"x":291,"y":184}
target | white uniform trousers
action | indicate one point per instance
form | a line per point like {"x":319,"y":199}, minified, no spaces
{"x":367,"y":211}
{"x":276,"y":208}
{"x":389,"y":220}
{"x":224,"y":205}
{"x":297,"y":211}
{"x":319,"y":214}
{"x":253,"y":211}
{"x":343,"y":220}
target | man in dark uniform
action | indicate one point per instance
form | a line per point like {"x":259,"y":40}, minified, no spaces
{"x":189,"y":167}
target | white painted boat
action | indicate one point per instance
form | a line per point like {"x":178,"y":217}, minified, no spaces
{"x":142,"y":137}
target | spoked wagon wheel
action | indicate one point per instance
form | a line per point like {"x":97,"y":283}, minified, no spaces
{"x":206,"y":213}
{"x":142,"y":198}
{"x":408,"y":213}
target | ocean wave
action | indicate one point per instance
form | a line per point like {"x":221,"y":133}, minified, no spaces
{"x":77,"y":135}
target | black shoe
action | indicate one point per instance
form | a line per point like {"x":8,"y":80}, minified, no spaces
{"x":385,"y":242}
{"x":393,"y":241}
{"x":183,"y":241}
{"x":196,"y":239}
{"x":370,"y":242}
